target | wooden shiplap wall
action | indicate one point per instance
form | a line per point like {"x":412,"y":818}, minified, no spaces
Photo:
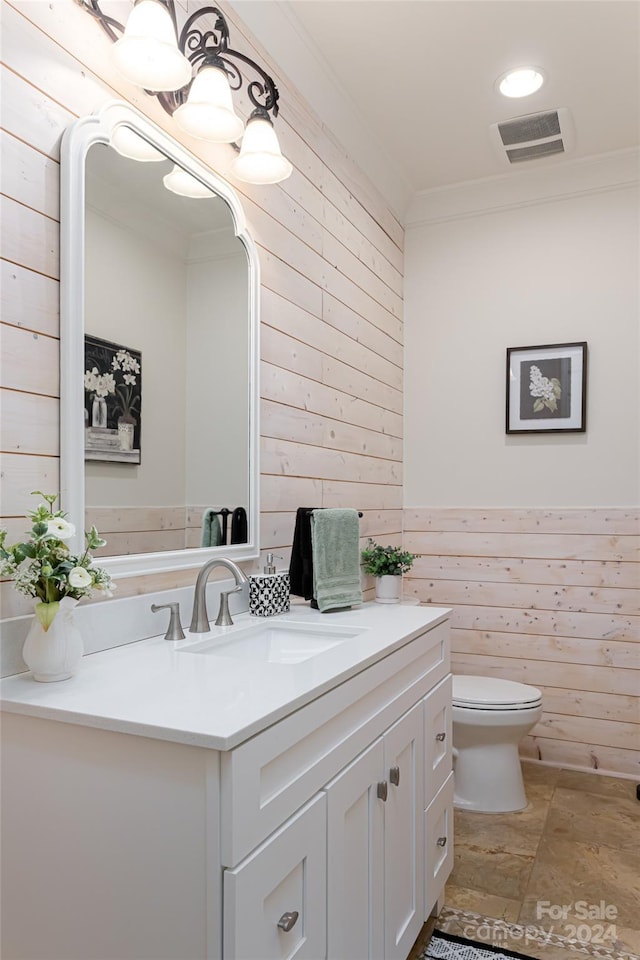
{"x":550,"y":598}
{"x":331,"y":290}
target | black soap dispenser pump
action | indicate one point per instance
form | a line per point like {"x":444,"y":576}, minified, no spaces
{"x":269,"y":591}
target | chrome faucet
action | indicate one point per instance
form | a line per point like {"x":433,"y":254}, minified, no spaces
{"x":199,"y":617}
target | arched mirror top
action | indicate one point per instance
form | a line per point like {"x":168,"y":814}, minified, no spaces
{"x":151,"y":480}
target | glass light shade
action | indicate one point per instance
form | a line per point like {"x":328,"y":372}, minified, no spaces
{"x":129,"y":144}
{"x":520,"y":83}
{"x":208,"y":113}
{"x":147,"y":54}
{"x":260,"y":159}
{"x":182,"y":183}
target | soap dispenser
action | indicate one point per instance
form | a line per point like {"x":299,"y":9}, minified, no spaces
{"x":269,"y":591}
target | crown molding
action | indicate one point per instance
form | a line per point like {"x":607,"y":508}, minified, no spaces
{"x":523,"y":188}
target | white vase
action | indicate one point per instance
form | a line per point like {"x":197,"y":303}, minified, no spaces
{"x":125,"y":434}
{"x":388,"y":589}
{"x":54,"y":654}
{"x":99,"y":412}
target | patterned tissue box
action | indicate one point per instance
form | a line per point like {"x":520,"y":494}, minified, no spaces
{"x":268,"y":594}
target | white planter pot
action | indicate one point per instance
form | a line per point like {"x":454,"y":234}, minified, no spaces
{"x":54,"y":654}
{"x":388,"y":589}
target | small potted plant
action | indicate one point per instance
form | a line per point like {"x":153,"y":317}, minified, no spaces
{"x":386,"y":564}
{"x":43,"y":567}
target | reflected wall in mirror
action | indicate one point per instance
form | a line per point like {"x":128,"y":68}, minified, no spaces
{"x":166,"y":278}
{"x":169,"y":282}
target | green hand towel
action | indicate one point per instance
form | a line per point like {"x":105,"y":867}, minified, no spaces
{"x":211,"y":532}
{"x":335,"y":544}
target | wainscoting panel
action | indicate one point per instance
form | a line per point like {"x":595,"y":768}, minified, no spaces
{"x":550,"y":598}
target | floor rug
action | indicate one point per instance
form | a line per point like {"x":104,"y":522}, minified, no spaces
{"x":447,"y":946}
{"x":496,"y":935}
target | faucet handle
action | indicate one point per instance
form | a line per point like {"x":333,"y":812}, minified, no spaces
{"x":174,"y":630}
{"x":224,"y":617}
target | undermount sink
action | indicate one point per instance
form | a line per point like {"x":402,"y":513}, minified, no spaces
{"x":275,"y":642}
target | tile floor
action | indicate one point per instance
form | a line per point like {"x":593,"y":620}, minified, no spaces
{"x":578,"y":840}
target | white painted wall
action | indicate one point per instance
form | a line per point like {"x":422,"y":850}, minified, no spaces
{"x":135,"y":295}
{"x":551,"y":271}
{"x":217,"y":394}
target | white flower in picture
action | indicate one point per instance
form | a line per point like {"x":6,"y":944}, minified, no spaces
{"x":546,"y":391}
{"x":100,"y":384}
{"x":124,"y":361}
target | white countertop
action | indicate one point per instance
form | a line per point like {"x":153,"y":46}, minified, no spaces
{"x":152,"y":689}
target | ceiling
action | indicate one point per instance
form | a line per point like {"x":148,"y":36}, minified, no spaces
{"x":408,"y":86}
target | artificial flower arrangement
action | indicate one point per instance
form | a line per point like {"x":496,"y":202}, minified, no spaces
{"x":43,"y":567}
{"x":386,"y":561}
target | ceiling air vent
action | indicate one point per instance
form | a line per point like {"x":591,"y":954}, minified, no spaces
{"x":534,"y":136}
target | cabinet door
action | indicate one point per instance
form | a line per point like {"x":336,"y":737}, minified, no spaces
{"x":438,"y":843}
{"x":403,"y":833}
{"x":283,"y":876}
{"x":355,"y":897}
{"x":437,"y":738}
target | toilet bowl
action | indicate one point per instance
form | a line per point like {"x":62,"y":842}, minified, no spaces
{"x":490,"y":717}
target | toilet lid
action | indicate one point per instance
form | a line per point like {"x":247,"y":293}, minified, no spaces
{"x":492,"y":693}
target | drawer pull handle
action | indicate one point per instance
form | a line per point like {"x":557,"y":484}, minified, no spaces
{"x":442,"y":841}
{"x":441,"y":736}
{"x":288,"y":920}
{"x":382,"y":790}
{"x":394,"y":776}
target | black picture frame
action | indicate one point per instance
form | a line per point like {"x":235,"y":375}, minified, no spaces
{"x":112,"y":401}
{"x":547,"y":388}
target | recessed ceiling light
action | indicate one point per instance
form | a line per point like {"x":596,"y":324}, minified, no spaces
{"x":521,"y":82}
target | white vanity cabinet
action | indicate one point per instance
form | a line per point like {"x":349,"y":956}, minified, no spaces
{"x":320,"y":837}
{"x":374,"y":749}
{"x":375,"y":868}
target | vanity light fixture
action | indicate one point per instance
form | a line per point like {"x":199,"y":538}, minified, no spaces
{"x":260,"y":160}
{"x":521,"y":82}
{"x":192,"y":72}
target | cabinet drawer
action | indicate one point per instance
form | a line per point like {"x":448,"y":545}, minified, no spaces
{"x":287,"y":874}
{"x":437,"y":738}
{"x":438,"y":832}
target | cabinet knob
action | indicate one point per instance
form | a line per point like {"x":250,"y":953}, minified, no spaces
{"x":394,"y":776}
{"x":382,"y":790}
{"x":441,"y":736}
{"x":442,"y":841}
{"x":288,"y":920}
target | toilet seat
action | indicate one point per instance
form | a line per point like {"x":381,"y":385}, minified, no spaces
{"x":493,"y":693}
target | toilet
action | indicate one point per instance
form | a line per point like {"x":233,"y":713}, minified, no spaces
{"x":490,"y":717}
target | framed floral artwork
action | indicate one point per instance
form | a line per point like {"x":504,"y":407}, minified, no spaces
{"x":112,"y":401}
{"x":547,"y":388}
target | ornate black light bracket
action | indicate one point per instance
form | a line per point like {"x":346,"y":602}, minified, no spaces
{"x":203,"y":47}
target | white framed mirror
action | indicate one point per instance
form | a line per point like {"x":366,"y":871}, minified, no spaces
{"x":159,"y":350}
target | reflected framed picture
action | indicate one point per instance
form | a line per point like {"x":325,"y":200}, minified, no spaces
{"x":112,"y":401}
{"x":547,"y":388}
